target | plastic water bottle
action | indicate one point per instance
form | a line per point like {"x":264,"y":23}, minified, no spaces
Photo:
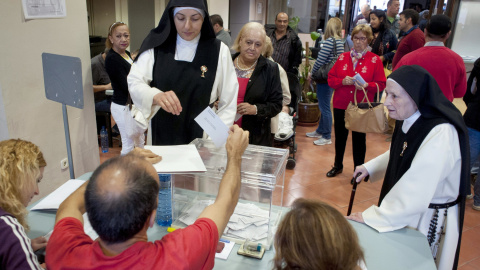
{"x":104,"y":139}
{"x":164,"y":208}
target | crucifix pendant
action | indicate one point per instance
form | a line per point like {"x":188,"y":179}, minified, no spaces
{"x":404,"y":147}
{"x":203,"y":69}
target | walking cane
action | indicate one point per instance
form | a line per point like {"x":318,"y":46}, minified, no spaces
{"x":352,"y":197}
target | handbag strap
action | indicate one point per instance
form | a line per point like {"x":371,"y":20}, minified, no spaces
{"x":335,"y":48}
{"x":365,"y":97}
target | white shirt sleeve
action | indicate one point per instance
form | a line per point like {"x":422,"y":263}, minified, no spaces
{"x":432,"y":177}
{"x":139,"y":80}
{"x":225,"y":87}
{"x":378,"y":166}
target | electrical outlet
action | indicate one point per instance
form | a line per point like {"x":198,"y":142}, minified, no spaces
{"x":64,"y":163}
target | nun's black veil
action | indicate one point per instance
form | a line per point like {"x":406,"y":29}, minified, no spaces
{"x":166,"y":26}
{"x":432,"y":103}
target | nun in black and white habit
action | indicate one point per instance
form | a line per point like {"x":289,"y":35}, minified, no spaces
{"x":426,"y":169}
{"x":174,"y":79}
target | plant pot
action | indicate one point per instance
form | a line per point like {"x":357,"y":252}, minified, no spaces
{"x":308,"y":114}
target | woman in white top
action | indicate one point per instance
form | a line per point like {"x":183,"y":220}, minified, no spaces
{"x":181,"y":69}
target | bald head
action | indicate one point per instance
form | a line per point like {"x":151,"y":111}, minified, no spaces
{"x":120,"y":197}
{"x":365,"y":10}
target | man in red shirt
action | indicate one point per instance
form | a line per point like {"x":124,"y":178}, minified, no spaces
{"x":445,"y":65}
{"x":121,"y":200}
{"x":413,"y":37}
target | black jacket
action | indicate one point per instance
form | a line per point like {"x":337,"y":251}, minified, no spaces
{"x":265,"y":92}
{"x":295,"y":54}
{"x":472,"y":114}
{"x":118,"y":69}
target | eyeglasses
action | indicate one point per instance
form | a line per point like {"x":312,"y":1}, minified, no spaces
{"x":359,"y":38}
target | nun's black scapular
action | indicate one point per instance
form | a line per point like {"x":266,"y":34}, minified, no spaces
{"x":192,"y":82}
{"x":435,"y":109}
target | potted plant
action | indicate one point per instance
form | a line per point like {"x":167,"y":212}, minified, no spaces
{"x":308,"y":111}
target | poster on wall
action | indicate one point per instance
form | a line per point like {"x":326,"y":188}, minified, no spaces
{"x":44,"y":9}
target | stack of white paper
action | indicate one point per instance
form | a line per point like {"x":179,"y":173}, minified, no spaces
{"x":248,"y":221}
{"x":177,"y":158}
{"x":54,"y":199}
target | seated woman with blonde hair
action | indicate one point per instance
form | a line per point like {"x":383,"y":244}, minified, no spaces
{"x":21,"y":169}
{"x":314,"y":235}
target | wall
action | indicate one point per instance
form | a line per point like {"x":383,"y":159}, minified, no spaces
{"x":220,"y":7}
{"x":466,"y":37}
{"x":141,"y":16}
{"x":3,"y":119}
{"x":102,"y":15}
{"x":239,"y":15}
{"x":29,"y":115}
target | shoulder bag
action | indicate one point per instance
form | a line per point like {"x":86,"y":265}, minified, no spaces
{"x":321,"y":75}
{"x":366,"y":117}
{"x":135,"y":123}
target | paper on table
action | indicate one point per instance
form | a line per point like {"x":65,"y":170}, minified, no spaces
{"x":226,"y":251}
{"x":177,"y":158}
{"x":213,"y":126}
{"x":54,"y":199}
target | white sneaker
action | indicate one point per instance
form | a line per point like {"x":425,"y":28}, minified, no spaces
{"x":285,"y":127}
{"x":314,"y":134}
{"x":322,"y":141}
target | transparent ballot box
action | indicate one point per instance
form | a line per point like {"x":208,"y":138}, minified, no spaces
{"x":258,"y":211}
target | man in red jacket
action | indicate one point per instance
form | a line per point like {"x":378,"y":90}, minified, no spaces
{"x":412,"y":39}
{"x":445,"y":65}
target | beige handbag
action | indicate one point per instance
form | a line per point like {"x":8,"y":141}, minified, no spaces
{"x":366,"y":117}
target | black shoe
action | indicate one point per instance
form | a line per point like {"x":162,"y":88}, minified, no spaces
{"x":334,"y":171}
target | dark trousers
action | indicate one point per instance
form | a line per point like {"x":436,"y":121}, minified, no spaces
{"x":341,"y":134}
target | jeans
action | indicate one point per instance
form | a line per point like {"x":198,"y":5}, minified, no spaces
{"x":103,"y":106}
{"x":324,"y":96}
{"x":474,"y":137}
{"x":341,"y":134}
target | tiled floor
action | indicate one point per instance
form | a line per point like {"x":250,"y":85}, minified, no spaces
{"x":308,"y":180}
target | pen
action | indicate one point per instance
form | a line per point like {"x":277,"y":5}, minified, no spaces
{"x":224,"y":240}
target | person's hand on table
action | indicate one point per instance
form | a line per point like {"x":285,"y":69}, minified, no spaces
{"x":216,"y":104}
{"x":38,"y":243}
{"x":363,"y":173}
{"x":356,"y":217}
{"x":237,"y":142}
{"x":246,"y":109}
{"x":147,"y":154}
{"x":169,"y":102}
{"x":348,"y":80}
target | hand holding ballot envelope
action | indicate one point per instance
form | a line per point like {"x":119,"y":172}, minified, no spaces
{"x":359,"y":82}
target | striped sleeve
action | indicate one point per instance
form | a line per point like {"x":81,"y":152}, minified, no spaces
{"x":326,"y":53}
{"x":16,"y":249}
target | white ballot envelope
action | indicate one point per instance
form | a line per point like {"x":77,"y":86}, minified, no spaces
{"x":213,"y":126}
{"x":358,"y":78}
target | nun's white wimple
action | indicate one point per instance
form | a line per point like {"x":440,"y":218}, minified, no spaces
{"x":177,"y":9}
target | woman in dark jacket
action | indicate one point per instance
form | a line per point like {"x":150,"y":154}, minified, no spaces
{"x":384,"y":42}
{"x":260,"y":93}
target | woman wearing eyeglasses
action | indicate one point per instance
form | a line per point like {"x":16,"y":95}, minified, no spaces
{"x":358,"y":61}
{"x":117,"y":64}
